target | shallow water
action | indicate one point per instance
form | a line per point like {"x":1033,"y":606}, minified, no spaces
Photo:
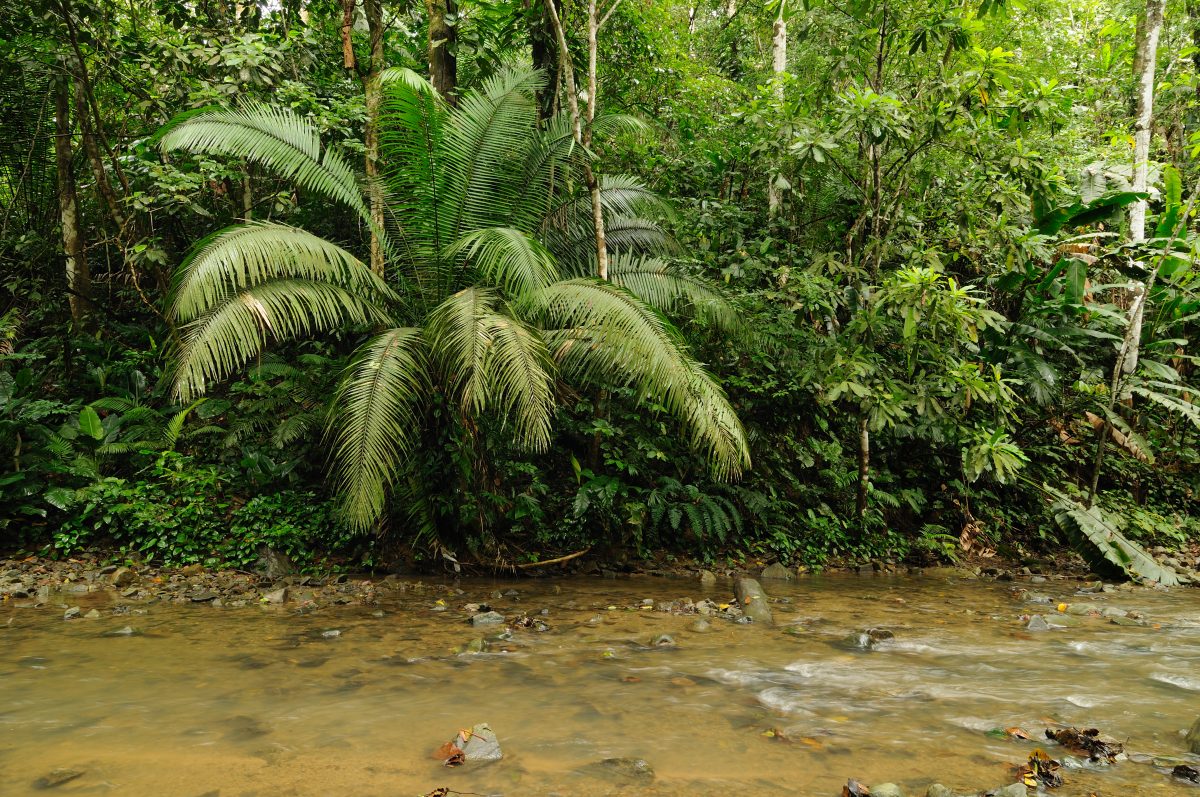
{"x":256,"y":701}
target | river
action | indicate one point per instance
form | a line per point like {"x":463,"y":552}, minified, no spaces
{"x":262,"y":701}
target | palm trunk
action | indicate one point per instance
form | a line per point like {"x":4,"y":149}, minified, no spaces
{"x":78,"y":278}
{"x":443,"y":66}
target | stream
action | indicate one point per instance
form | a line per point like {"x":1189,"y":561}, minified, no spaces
{"x":262,"y":700}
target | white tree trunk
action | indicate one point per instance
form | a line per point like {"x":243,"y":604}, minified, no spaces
{"x":778,"y":66}
{"x":1144,"y":62}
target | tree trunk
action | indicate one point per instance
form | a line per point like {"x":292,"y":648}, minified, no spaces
{"x":1144,"y":62}
{"x":583,"y":137}
{"x":778,"y":66}
{"x":443,"y":67}
{"x":374,"y":92}
{"x":79,"y":280}
{"x":542,"y":49}
{"x":864,"y":464}
{"x":347,"y":30}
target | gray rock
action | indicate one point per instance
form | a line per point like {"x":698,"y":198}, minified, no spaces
{"x":663,"y":641}
{"x":1193,"y":738}
{"x":272,"y":563}
{"x":482,"y":744}
{"x":276,"y":596}
{"x":1037,"y":580}
{"x":707,"y":578}
{"x":124,"y":577}
{"x":487,"y":618}
{"x":1083,"y":609}
{"x":938,"y":790}
{"x":126,"y":631}
{"x":1037,"y":597}
{"x":57,"y":778}
{"x":202,"y":596}
{"x":621,"y":769}
{"x":72,"y":613}
{"x":886,"y":790}
{"x":1061,"y":620}
{"x":1037,"y":623}
{"x":1113,"y":611}
{"x":332,"y":633}
{"x":1011,"y":790}
{"x":867,"y":640}
{"x":701,"y":626}
{"x":92,"y":614}
{"x":752,"y":600}
{"x":778,"y":572}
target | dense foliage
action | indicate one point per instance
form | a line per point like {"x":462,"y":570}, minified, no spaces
{"x":499,"y":280}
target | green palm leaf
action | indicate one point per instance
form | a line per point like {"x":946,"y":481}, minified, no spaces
{"x":671,"y":290}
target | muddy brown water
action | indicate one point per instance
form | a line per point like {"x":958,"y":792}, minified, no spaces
{"x":257,"y":701}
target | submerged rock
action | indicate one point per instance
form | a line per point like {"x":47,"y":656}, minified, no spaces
{"x":701,"y":626}
{"x":753,"y":600}
{"x":57,"y":778}
{"x":487,"y":618}
{"x":72,"y":613}
{"x":624,"y":769}
{"x":886,"y":790}
{"x":663,"y":641}
{"x":938,"y":790}
{"x":1037,"y":623}
{"x":707,"y":578}
{"x":1011,"y":790}
{"x":1193,"y":738}
{"x":778,"y":571}
{"x":867,"y":640}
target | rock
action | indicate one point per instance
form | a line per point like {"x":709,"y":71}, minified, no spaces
{"x":1037,"y":623}
{"x":1011,"y":790}
{"x":1037,"y":597}
{"x":92,"y":614}
{"x":1193,"y":738}
{"x":123,"y":577}
{"x":57,"y":778}
{"x":273,"y":564}
{"x":867,"y":640}
{"x":753,"y":600}
{"x":701,"y":626}
{"x":886,"y":790}
{"x":1112,"y":611}
{"x":778,"y":572}
{"x":1127,"y":621}
{"x":663,"y":641}
{"x":1083,"y":609}
{"x":332,"y":633}
{"x":938,"y":790}
{"x":72,"y":613}
{"x":481,"y":745}
{"x":625,"y":769}
{"x":1037,"y":580}
{"x":707,"y":578}
{"x":202,"y":596}
{"x":1061,"y":621}
{"x":487,"y":618}
{"x":276,"y":596}
{"x":126,"y":631}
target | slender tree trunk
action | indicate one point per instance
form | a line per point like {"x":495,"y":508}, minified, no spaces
{"x":1144,"y":63}
{"x":347,"y":31}
{"x":79,"y":280}
{"x":864,"y":464}
{"x":778,"y":66}
{"x":583,"y":137}
{"x":1193,"y":12}
{"x":542,"y":49}
{"x":443,"y":66}
{"x":374,"y":92}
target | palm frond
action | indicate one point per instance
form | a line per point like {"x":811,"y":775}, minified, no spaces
{"x":671,"y":290}
{"x":493,"y":361}
{"x":375,"y":419}
{"x":232,"y":332}
{"x":600,"y":333}
{"x":241,"y":257}
{"x":277,"y":139}
{"x":506,"y":258}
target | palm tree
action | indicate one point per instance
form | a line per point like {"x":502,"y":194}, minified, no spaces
{"x":487,"y":299}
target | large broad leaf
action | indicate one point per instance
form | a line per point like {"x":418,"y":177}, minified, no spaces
{"x":1104,"y":544}
{"x":89,"y":423}
{"x":1084,"y":213}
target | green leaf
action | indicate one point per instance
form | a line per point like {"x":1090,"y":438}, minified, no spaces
{"x":89,"y":424}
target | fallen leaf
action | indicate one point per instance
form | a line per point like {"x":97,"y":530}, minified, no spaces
{"x":446,"y":750}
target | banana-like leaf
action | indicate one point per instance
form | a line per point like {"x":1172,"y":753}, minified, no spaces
{"x":1106,"y":543}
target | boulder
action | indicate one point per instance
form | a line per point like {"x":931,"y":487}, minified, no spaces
{"x":778,"y":572}
{"x":273,"y":564}
{"x":487,"y":618}
{"x":1193,"y":738}
{"x":123,"y":577}
{"x":480,"y":744}
{"x":886,"y":790}
{"x":753,"y":600}
{"x":707,"y":578}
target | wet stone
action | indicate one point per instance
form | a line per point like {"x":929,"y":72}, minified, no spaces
{"x":123,"y":577}
{"x":886,"y":790}
{"x":707,"y":578}
{"x":663,"y":641}
{"x":622,"y":769}
{"x":482,"y":744}
{"x":701,"y":626}
{"x":1011,"y":790}
{"x":752,"y":600}
{"x":276,"y":596}
{"x":777,"y":572}
{"x":487,"y":618}
{"x":72,"y":613}
{"x":938,"y":790}
{"x":1037,"y":623}
{"x":57,"y":778}
{"x":1193,"y":738}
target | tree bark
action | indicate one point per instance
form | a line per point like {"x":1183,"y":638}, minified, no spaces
{"x":542,"y":49}
{"x":374,"y":92}
{"x":584,"y":137}
{"x":78,"y":278}
{"x":347,"y":30}
{"x":778,"y":67}
{"x":1144,"y":63}
{"x":443,"y":66}
{"x":864,"y":463}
